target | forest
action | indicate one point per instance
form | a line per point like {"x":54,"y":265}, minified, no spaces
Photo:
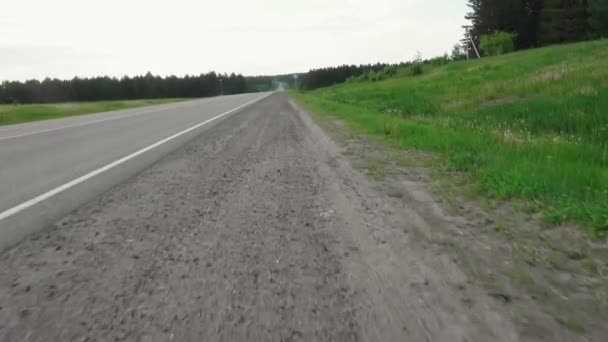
{"x":537,"y":23}
{"x":148,"y":86}
{"x":323,"y":77}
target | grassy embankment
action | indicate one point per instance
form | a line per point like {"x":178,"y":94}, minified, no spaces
{"x":12,"y":114}
{"x":531,"y":125}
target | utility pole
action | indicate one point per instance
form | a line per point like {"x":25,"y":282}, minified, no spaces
{"x":472,"y":42}
{"x":475,"y":48}
{"x":468,"y":41}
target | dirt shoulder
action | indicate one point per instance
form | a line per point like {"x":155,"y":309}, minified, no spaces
{"x":259,"y":229}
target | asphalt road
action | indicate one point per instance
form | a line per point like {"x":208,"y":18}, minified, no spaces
{"x":41,"y":162}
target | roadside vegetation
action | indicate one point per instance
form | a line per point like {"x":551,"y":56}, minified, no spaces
{"x":19,"y":113}
{"x":530,"y":125}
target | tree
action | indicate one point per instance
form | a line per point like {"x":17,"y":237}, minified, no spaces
{"x":497,"y":43}
{"x":598,"y":19}
{"x":517,"y":16}
{"x":527,"y":32}
{"x":458,"y":52}
{"x":563,"y":21}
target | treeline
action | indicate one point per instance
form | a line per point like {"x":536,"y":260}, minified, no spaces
{"x":140,"y":87}
{"x":538,"y":23}
{"x":323,"y":77}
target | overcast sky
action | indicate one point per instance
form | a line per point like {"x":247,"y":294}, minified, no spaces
{"x":65,"y":38}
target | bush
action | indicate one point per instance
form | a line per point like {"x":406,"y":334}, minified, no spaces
{"x":381,"y":75}
{"x":440,"y":60}
{"x":497,"y":43}
{"x":387,"y":72}
{"x":373,"y":76}
{"x":416,"y":69}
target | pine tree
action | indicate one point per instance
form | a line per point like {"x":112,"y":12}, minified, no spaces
{"x":563,"y":21}
{"x":513,"y":16}
{"x":598,"y":19}
{"x":528,"y":32}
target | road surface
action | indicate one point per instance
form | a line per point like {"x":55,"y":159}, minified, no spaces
{"x":257,"y":229}
{"x":46,"y":158}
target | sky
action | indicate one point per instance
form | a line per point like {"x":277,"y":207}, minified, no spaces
{"x":67,"y":38}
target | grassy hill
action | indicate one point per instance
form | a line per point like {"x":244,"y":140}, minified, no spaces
{"x":531,"y":125}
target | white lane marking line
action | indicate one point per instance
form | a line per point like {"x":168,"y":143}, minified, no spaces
{"x":16,"y":209}
{"x":86,"y":123}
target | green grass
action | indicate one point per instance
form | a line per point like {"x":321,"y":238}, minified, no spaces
{"x":13,"y":114}
{"x":529,"y":125}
